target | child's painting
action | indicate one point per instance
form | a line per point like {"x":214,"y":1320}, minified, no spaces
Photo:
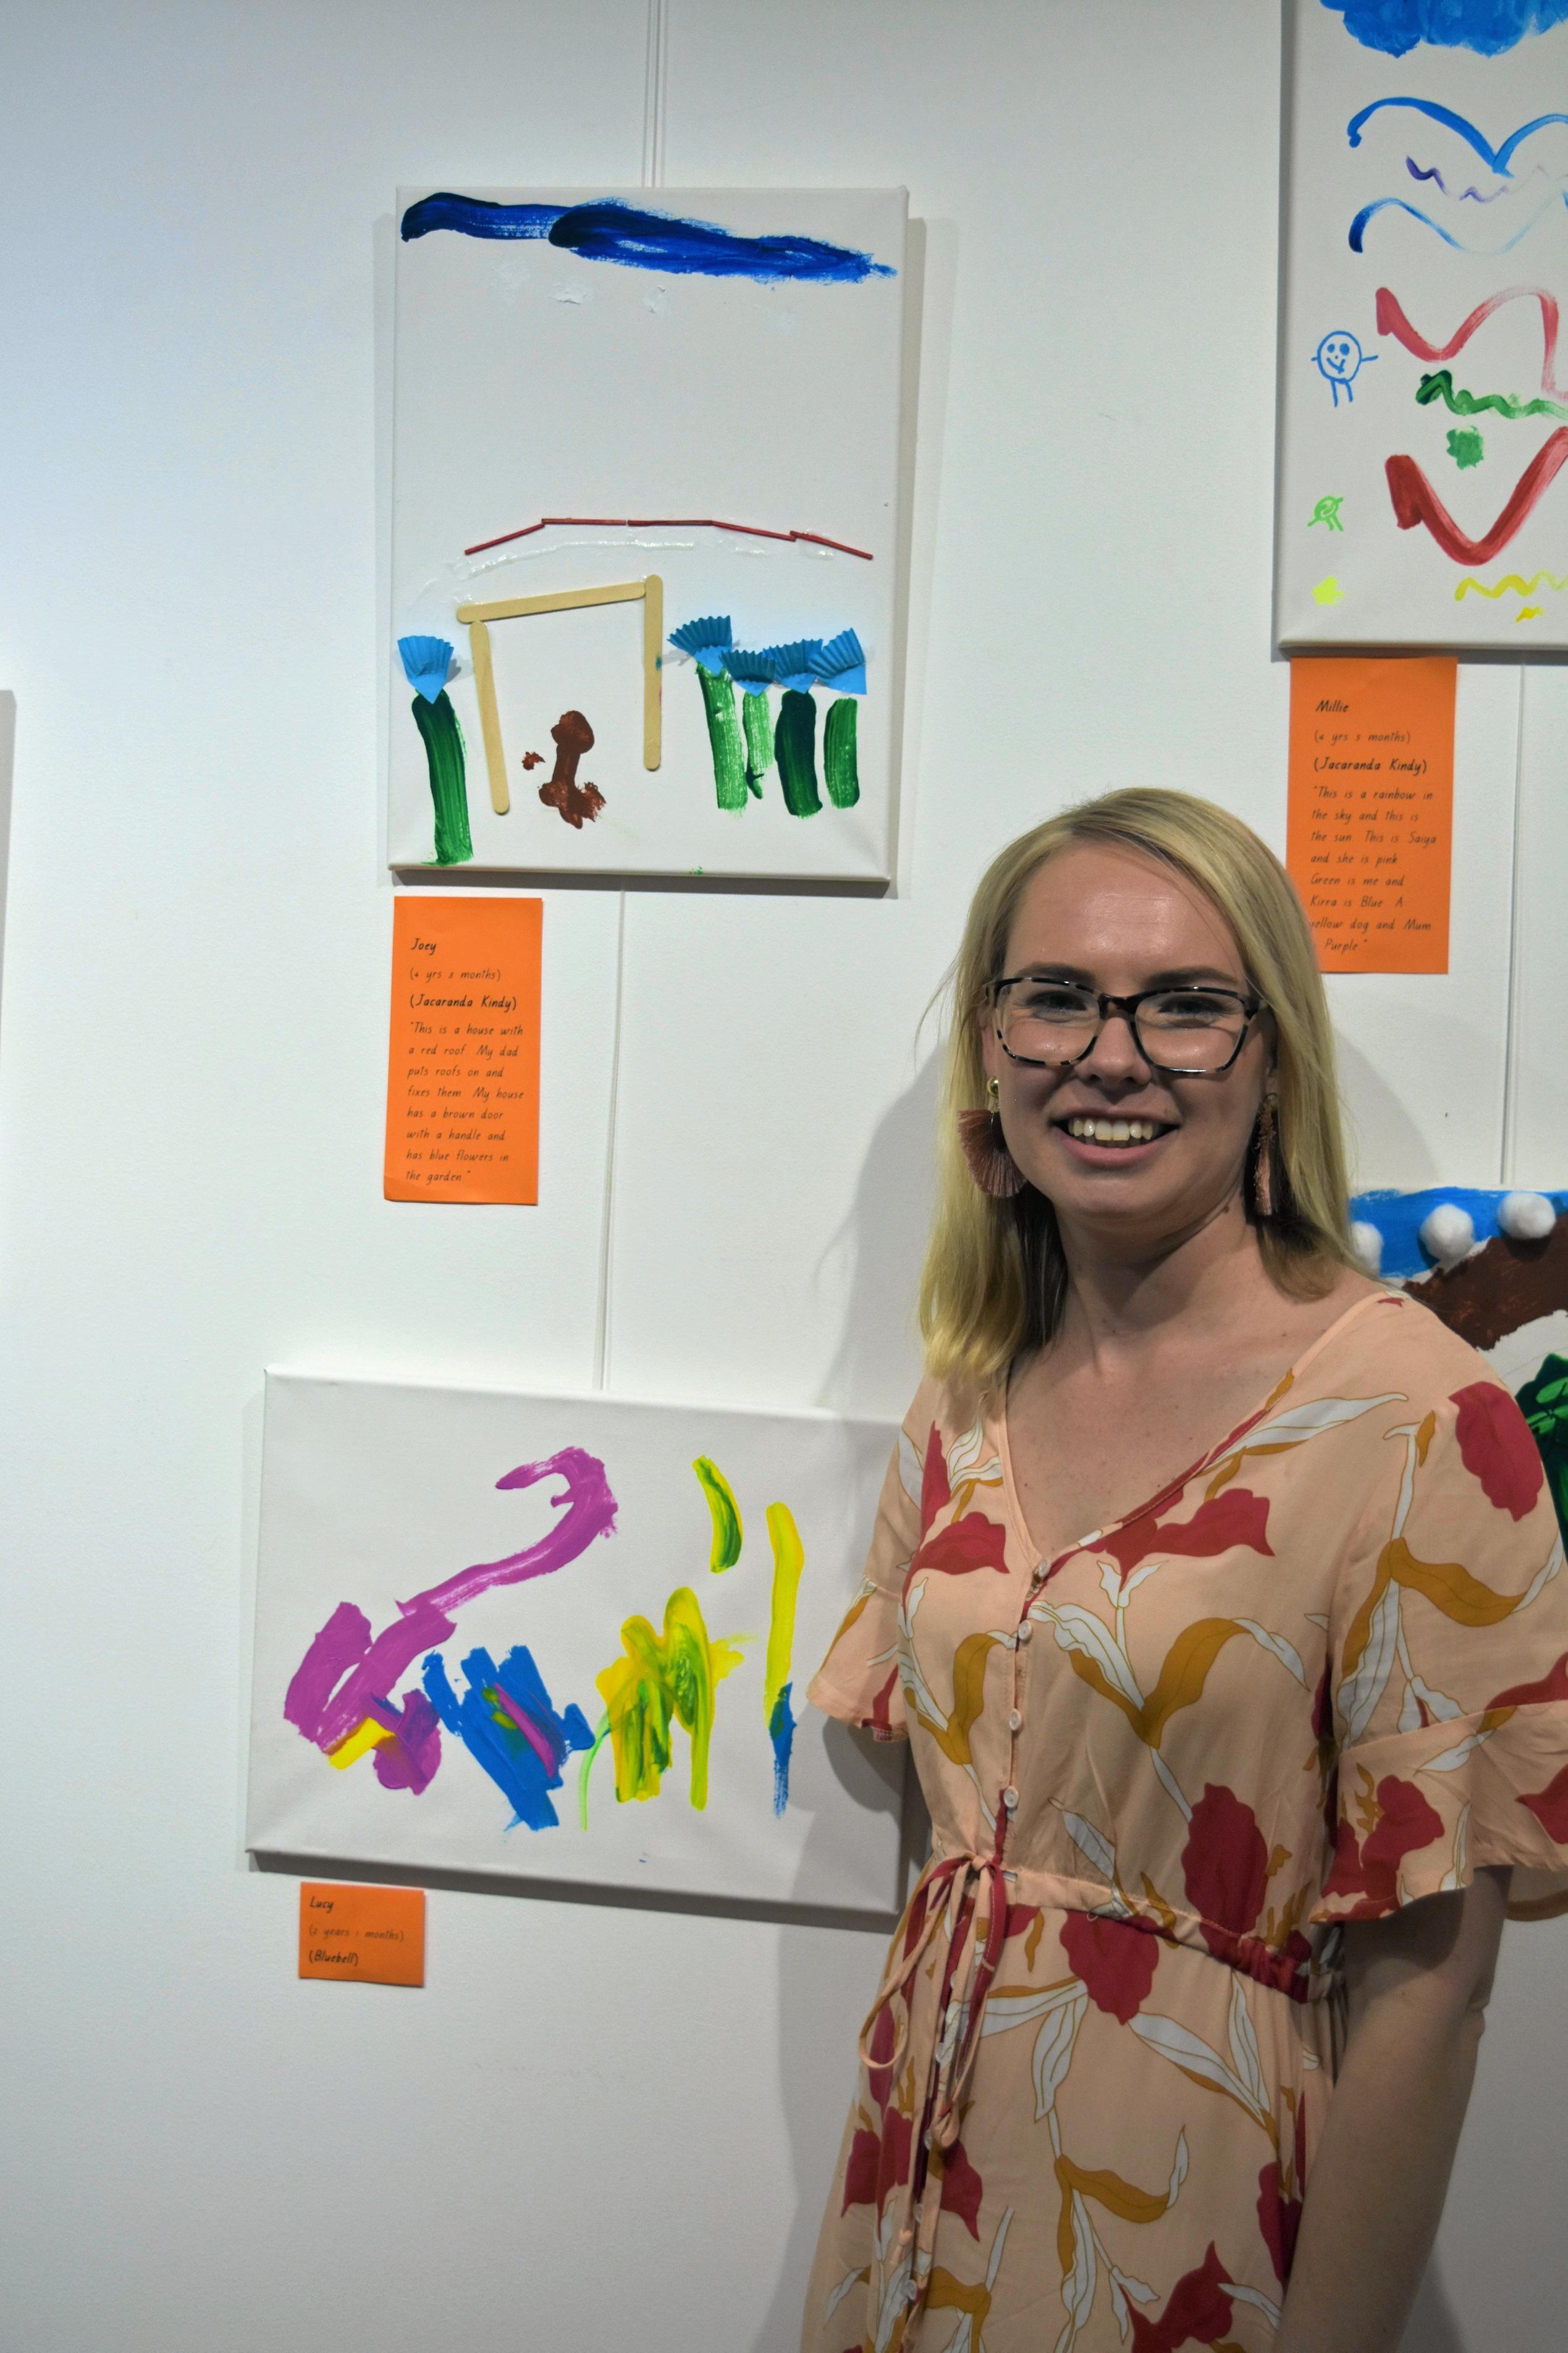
{"x":1494,"y":1266}
{"x":1422,"y":395}
{"x":566,"y":1639}
{"x":645,"y":532}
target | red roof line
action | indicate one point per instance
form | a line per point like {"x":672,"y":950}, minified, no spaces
{"x":669,"y":522}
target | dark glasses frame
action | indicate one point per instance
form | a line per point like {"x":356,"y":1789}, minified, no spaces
{"x":1127,"y":1008}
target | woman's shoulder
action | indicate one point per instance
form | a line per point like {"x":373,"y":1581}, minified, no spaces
{"x":1393,"y":1339}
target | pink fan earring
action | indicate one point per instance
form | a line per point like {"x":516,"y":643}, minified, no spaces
{"x":1266,"y":1184}
{"x":990,"y":1164}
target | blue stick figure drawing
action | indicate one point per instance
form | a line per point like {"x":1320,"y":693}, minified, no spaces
{"x":1339,"y":359}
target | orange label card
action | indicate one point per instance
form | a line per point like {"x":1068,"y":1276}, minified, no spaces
{"x":1371,"y":825}
{"x":462,"y":1086}
{"x":374,"y":1933}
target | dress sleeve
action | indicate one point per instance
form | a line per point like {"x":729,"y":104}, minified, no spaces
{"x":1449,"y":1672}
{"x":858,"y":1680}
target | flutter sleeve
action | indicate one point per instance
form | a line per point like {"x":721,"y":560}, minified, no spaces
{"x":858,"y":1680}
{"x":1449,"y":1635}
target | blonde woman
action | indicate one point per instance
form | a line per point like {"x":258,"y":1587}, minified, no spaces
{"x":1217,"y":1590}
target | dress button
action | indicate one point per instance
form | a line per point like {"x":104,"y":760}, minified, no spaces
{"x":1013,"y":1721}
{"x":1025,"y":1632}
{"x":1009,"y":1798}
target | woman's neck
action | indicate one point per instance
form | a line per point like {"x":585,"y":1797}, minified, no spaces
{"x":1200,"y":1278}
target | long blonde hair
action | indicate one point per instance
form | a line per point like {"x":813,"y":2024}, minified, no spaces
{"x":994,"y":1280}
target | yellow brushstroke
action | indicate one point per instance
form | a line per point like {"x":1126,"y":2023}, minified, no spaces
{"x":1528,"y":613}
{"x":789,"y":1559}
{"x":728,"y":1532}
{"x":660,"y":1679}
{"x":355,"y":1745}
{"x":1509,"y":580}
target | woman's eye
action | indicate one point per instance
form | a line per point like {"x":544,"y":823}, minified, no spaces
{"x":1191,"y":1005}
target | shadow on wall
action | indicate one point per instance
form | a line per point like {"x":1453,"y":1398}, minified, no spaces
{"x":1433,"y":2327}
{"x":875,"y":1366}
{"x":1385,"y":1144}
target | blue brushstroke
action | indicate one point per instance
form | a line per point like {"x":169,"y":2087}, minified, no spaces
{"x":841,"y":663}
{"x":1465,"y":196}
{"x":495,"y":1742}
{"x":1358,"y":226}
{"x":637,"y":239}
{"x":708,"y":640}
{"x":754,"y":672}
{"x":793,"y":663}
{"x":1496,"y":159}
{"x":1488,"y":26}
{"x":1398,"y":1218}
{"x":781,"y":1731}
{"x":426,"y":664}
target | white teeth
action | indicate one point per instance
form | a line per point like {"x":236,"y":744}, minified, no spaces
{"x":1113,"y":1131}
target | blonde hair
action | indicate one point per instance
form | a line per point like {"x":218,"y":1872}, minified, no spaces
{"x":995,"y":1280}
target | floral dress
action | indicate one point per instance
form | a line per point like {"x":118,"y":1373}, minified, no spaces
{"x":1324,"y":1673}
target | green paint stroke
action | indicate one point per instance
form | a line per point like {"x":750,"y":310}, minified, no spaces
{"x":1466,"y":447}
{"x":789,"y":1559}
{"x":757,"y":721}
{"x":725,"y":736}
{"x":727,"y":1529}
{"x":1543,"y":1402}
{"x":600,"y":1734}
{"x":794,"y":747}
{"x":443,"y":738}
{"x":840,"y":771}
{"x":1440,"y":387}
{"x":660,"y":1679}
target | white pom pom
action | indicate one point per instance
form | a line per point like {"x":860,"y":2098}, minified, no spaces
{"x":1367,"y":1243}
{"x":1447,"y":1232}
{"x":1527,"y":1216}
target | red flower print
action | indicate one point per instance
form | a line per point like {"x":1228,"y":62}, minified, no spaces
{"x":877,"y":2165}
{"x":972,"y":1542}
{"x":1235,"y":1517}
{"x":1406,"y":1823}
{"x":1553,"y":1686}
{"x":1550,"y":1807}
{"x":1279,"y":2209}
{"x":961,"y":2190}
{"x":935,"y":1492}
{"x":1225,"y":1865}
{"x":1115,"y":1960}
{"x":880,"y":1721}
{"x":1496,"y":1447}
{"x":1198,"y":2310}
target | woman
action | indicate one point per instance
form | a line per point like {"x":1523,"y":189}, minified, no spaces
{"x":1178,"y":2030}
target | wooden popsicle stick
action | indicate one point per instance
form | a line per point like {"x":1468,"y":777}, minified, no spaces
{"x":652,"y":671}
{"x":490,"y":717}
{"x":565,"y":601}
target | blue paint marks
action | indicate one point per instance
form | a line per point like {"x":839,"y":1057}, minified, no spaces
{"x":794,"y":664}
{"x":426,"y":664}
{"x":841,"y":663}
{"x":639,"y":239}
{"x":507,"y":1722}
{"x":781,"y":1731}
{"x":1496,"y":159}
{"x":1358,"y":226}
{"x":1398,"y":1218}
{"x":707,"y":640}
{"x":1488,"y":26}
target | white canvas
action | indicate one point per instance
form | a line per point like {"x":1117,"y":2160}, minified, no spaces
{"x":374,"y":1493}
{"x":534,"y":382}
{"x":1449,"y":218}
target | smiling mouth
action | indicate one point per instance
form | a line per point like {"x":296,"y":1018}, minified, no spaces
{"x":1086,"y":1130}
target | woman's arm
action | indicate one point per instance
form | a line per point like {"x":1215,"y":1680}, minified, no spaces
{"x":1418,"y":1984}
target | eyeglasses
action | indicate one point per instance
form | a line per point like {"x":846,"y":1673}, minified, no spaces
{"x":1186,"y":1033}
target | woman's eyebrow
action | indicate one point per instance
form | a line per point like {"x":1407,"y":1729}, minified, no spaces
{"x":1182,"y":976}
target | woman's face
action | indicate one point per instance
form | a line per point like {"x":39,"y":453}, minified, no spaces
{"x":1116,"y":921}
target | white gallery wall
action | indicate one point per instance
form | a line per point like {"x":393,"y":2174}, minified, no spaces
{"x":595,"y":2124}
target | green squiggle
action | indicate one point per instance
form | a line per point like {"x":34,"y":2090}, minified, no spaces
{"x":600,"y":1734}
{"x":443,"y":740}
{"x":840,"y":770}
{"x":1440,"y":387}
{"x":759,"y":731}
{"x":728,"y":1532}
{"x":1509,"y":580}
{"x":723,"y":736}
{"x":658,"y":1680}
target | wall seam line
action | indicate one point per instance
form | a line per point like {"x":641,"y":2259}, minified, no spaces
{"x":1511,"y":1021}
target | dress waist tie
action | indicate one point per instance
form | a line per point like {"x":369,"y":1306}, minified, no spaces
{"x":966,"y":1895}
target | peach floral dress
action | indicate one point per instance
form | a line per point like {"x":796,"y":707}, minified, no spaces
{"x":1322,"y":1674}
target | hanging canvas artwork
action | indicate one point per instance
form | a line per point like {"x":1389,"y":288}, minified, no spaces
{"x":645,"y":530}
{"x":566,"y":1639}
{"x":1494,"y":1266}
{"x":1422,"y":392}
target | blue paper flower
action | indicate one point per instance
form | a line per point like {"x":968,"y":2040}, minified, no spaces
{"x":426,"y":664}
{"x":754,"y":672}
{"x":706,"y":640}
{"x":841,"y":663}
{"x":793,"y":664}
